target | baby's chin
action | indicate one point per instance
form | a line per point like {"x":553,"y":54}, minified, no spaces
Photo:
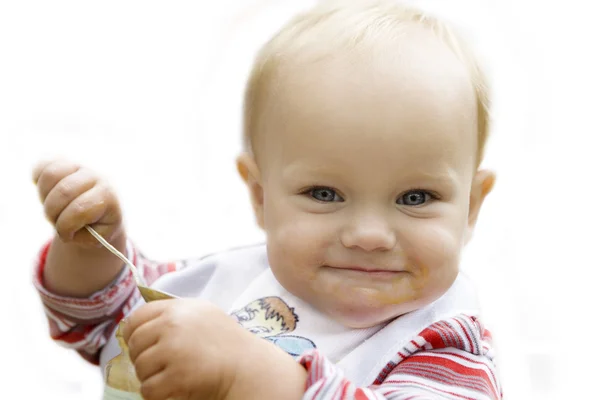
{"x":358,"y":313}
{"x":363,"y":317}
{"x":356,"y":306}
{"x":367,"y":312}
{"x":368,"y":308}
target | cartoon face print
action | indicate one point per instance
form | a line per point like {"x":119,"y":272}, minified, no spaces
{"x":268,"y":316}
{"x":271,"y":318}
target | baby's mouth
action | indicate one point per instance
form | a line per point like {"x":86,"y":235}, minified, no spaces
{"x":367,"y":271}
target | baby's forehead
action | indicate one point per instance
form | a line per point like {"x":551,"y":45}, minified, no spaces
{"x":361,"y":92}
{"x":361,"y":114}
{"x":433,"y":79}
{"x":417,"y":64}
{"x":343,"y":72}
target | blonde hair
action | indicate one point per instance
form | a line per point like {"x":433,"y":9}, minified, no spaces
{"x":342,"y":25}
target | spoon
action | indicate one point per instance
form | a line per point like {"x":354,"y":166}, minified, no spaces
{"x":148,"y":294}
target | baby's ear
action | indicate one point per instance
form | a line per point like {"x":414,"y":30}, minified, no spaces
{"x":482,"y":185}
{"x":248,"y":170}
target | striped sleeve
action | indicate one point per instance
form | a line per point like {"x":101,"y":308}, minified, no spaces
{"x":451,"y":359}
{"x":84,"y":324}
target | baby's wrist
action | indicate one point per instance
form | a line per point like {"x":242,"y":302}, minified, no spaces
{"x":269,"y":373}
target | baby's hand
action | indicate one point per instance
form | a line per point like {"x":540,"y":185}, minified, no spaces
{"x":186,"y":348}
{"x":74,"y":197}
{"x":190,"y":349}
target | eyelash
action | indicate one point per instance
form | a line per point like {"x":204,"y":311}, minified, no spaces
{"x":428,"y":197}
{"x":309,"y":191}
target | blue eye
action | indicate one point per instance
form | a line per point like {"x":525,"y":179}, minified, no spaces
{"x":324,"y":194}
{"x":414,"y":198}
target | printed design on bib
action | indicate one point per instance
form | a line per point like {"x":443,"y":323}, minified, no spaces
{"x":272,"y":319}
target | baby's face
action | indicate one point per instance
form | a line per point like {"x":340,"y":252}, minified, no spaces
{"x":366,"y":169}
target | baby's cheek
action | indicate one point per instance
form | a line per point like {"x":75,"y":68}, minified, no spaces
{"x":434,"y":254}
{"x":302,"y":236}
{"x":436,"y":242}
{"x":288,"y":243}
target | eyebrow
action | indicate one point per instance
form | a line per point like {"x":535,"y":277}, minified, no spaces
{"x":449,"y":177}
{"x":292,"y":171}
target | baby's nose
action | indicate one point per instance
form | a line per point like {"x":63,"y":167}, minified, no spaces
{"x":369,"y":234}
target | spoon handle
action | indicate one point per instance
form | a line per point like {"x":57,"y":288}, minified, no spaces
{"x":136,"y":276}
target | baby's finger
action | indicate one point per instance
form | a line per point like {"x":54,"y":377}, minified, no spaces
{"x":37,"y":170}
{"x":67,"y":190}
{"x":161,"y":386}
{"x":150,"y":362}
{"x":84,"y":210}
{"x":85,"y":238}
{"x":143,"y":338}
{"x":51,"y":174}
{"x":143,"y":315}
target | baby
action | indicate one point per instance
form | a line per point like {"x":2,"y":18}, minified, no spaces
{"x":365,"y":125}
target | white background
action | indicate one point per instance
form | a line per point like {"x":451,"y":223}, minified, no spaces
{"x":149,"y":94}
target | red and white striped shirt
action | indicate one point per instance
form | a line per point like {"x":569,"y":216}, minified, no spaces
{"x":450,"y":359}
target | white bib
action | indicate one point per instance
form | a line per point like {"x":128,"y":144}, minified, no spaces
{"x":268,"y":310}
